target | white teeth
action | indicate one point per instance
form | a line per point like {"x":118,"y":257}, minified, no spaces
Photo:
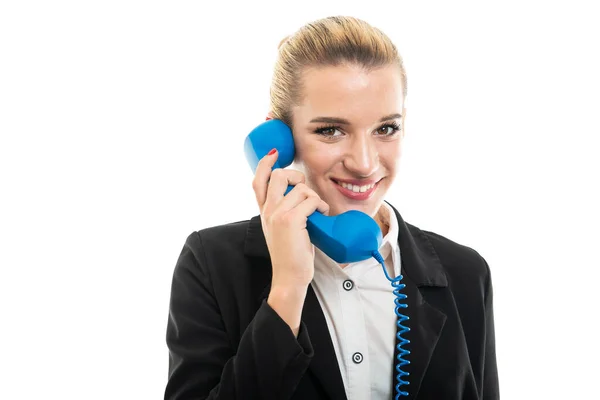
{"x":355,"y":188}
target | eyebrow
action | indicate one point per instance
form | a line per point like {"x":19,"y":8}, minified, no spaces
{"x":342,"y":121}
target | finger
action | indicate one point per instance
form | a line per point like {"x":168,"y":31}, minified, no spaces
{"x":299,"y":194}
{"x":278,"y":183}
{"x":323,"y":208}
{"x":261,"y":177}
{"x":296,"y":196}
{"x":293,"y":177}
{"x":306,"y":208}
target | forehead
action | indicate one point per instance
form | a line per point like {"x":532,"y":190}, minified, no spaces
{"x":349,"y":91}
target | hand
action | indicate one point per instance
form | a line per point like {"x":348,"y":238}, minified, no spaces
{"x":284,"y":222}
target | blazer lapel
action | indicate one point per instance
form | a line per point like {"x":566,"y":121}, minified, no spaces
{"x":324,"y":365}
{"x":425,"y":323}
{"x":421,"y":268}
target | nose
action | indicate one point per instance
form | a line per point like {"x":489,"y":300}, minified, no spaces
{"x":362,"y":156}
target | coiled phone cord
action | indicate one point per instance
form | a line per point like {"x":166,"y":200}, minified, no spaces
{"x":401,"y":328}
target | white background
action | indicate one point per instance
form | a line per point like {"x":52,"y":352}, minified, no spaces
{"x":122,"y":127}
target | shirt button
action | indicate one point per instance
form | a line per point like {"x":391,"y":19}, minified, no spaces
{"x":348,"y":284}
{"x":357,"y":358}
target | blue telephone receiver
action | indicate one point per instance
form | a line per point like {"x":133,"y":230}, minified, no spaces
{"x":348,"y":237}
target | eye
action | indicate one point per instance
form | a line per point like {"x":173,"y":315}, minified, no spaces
{"x":388,"y":129}
{"x":328,"y":131}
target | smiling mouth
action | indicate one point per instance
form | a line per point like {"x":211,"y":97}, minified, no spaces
{"x":356,"y":188}
{"x":356,"y":192}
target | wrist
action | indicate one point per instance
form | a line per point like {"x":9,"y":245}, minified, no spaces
{"x":287,"y":302}
{"x":287,"y":292}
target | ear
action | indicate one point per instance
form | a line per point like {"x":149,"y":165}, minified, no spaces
{"x":269,"y":115}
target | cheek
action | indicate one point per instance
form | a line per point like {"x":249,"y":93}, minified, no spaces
{"x":316,"y":166}
{"x":304,"y":148}
{"x":390,"y":155}
{"x":317,"y":158}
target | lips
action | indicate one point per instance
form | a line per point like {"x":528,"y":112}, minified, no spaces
{"x":356,"y":192}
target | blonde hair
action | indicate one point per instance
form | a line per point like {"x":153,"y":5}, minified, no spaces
{"x":330,"y":41}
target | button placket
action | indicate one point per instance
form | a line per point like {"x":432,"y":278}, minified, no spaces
{"x":357,"y":366}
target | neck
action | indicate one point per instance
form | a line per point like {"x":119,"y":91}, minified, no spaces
{"x":381,"y":217}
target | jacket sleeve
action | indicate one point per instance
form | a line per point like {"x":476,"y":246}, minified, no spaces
{"x":491,"y":390}
{"x":268,"y":363}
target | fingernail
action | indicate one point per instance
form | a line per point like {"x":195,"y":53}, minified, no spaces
{"x":272,"y":152}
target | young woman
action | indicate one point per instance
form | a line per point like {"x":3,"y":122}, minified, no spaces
{"x":258,"y":312}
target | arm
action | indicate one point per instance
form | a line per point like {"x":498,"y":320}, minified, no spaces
{"x":491,"y":390}
{"x":268,"y":363}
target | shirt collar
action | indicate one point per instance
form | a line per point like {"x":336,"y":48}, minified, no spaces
{"x":390,"y":240}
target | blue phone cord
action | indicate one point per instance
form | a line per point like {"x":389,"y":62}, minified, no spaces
{"x":401,"y":328}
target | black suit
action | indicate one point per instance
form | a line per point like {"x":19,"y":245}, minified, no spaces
{"x":226,"y":342}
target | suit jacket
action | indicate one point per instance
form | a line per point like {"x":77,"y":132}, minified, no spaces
{"x":226,"y":342}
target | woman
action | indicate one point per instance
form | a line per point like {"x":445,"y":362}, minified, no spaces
{"x":258,"y":312}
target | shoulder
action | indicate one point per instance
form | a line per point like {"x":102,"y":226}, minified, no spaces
{"x":224,"y":236}
{"x":214,"y":255}
{"x":461,"y":262}
{"x":219,"y":241}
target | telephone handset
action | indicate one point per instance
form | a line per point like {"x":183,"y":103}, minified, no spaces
{"x":348,"y":237}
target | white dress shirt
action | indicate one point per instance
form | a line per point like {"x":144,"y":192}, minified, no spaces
{"x":358,"y":304}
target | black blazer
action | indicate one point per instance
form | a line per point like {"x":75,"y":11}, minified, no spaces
{"x":226,"y":342}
